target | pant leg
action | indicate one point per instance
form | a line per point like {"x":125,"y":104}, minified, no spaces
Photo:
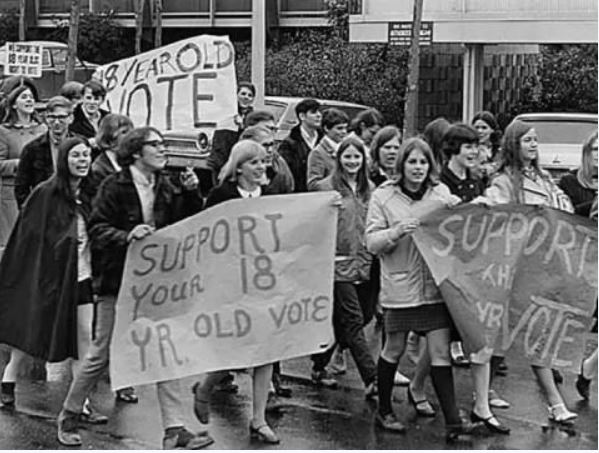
{"x":170,"y":402}
{"x":349,"y":321}
{"x":95,"y":361}
{"x":368,"y":297}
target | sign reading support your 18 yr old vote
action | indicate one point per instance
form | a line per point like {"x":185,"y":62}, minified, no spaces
{"x":515,"y":275}
{"x":244,"y":283}
{"x":187,"y":84}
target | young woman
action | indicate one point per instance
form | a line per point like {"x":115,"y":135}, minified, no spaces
{"x":49,"y":247}
{"x":352,"y":262}
{"x":460,"y":146}
{"x":241,"y":177}
{"x":522,"y":181}
{"x":433,"y":135}
{"x":409,"y":296}
{"x":581,"y":187}
{"x":489,"y":140}
{"x":365,"y":125}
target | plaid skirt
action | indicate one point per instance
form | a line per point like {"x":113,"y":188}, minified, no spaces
{"x":420,"y":319}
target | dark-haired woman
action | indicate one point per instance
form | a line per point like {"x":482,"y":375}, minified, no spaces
{"x":45,"y":272}
{"x":489,"y":143}
{"x":409,"y":296}
{"x":365,"y":125}
{"x":352,"y":289}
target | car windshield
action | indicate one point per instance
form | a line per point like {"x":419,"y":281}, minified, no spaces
{"x":60,"y":58}
{"x":276,"y":109}
{"x":562,"y":132}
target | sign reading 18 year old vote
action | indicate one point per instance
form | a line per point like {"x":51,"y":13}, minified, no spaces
{"x":516,"y":276}
{"x":187,"y":84}
{"x":244,"y":283}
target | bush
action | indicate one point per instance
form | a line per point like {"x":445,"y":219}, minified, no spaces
{"x":9,"y":26}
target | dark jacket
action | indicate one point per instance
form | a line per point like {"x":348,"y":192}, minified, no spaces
{"x":81,"y":125}
{"x":280,"y":177}
{"x":222,"y":142}
{"x":38,"y":277}
{"x":467,"y":189}
{"x":295,"y":151}
{"x":35,"y":166}
{"x":228,"y":191}
{"x":116,"y":210}
{"x":581,"y":197}
{"x":101,"y":169}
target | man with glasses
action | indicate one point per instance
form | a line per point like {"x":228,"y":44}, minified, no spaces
{"x":38,"y":159}
{"x":130,"y":205}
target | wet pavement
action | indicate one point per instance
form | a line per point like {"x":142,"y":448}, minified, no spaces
{"x":313,"y":418}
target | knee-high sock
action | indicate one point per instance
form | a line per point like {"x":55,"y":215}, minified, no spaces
{"x":386,"y":373}
{"x":442,"y":377}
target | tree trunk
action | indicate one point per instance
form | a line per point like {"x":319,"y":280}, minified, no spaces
{"x":72,"y":41}
{"x":22,"y":20}
{"x":158,"y":35}
{"x":410,"y":121}
{"x":139,"y":23}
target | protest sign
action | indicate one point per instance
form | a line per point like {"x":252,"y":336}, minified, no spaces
{"x":515,"y":275}
{"x":23,"y":59}
{"x":244,"y":283}
{"x":187,"y":84}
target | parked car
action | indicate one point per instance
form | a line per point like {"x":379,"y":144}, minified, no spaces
{"x":192,"y":146}
{"x":560,"y":138}
{"x":54,"y":61}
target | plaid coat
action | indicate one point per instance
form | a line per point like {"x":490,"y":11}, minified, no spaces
{"x":116,"y":210}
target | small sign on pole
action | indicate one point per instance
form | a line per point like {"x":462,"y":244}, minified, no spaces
{"x":23,"y":59}
{"x":400,"y":33}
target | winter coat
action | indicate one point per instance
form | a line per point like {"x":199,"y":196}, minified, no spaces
{"x":295,"y":151}
{"x":321,"y":163}
{"x":81,"y":126}
{"x":406,"y":280}
{"x":580,"y":196}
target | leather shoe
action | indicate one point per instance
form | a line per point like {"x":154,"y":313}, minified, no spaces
{"x":264,"y":434}
{"x":201,"y":404}
{"x":453,"y":433}
{"x":423,"y":407}
{"x":389,"y":422}
{"x":583,"y":384}
{"x":494,"y":428}
{"x":181,"y":439}
{"x":68,"y":430}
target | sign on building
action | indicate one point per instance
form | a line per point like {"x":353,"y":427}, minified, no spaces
{"x":23,"y":59}
{"x":400,"y":33}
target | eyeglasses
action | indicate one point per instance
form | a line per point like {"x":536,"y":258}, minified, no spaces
{"x":56,"y":117}
{"x":268,"y":145}
{"x":154,"y":143}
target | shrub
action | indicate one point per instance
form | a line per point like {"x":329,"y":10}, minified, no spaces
{"x":9,"y":26}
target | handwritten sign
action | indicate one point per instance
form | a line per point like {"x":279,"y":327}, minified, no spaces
{"x":244,"y":283}
{"x":187,"y":84}
{"x":515,"y":275}
{"x":23,"y":59}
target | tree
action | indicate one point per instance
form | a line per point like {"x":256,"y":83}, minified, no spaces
{"x":72,"y":41}
{"x":22,"y":20}
{"x":139,"y":23}
{"x":411,"y":105}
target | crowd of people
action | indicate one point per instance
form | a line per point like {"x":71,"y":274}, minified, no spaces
{"x":79,"y":185}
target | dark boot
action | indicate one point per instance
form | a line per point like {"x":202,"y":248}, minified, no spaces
{"x":7,"y":394}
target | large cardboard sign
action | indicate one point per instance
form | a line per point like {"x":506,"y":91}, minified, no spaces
{"x":23,"y":59}
{"x":244,"y":283}
{"x":515,"y":275}
{"x":187,"y":84}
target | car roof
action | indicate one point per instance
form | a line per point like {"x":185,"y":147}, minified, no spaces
{"x":293,"y":99}
{"x":557,"y":116}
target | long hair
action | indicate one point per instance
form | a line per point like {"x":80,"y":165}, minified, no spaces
{"x":383,"y":136}
{"x":105,"y":138}
{"x":433,"y":135}
{"x":241,"y":152}
{"x":62,"y":178}
{"x":411,"y":144}
{"x":339,"y":177}
{"x":491,"y":121}
{"x":586,"y":175}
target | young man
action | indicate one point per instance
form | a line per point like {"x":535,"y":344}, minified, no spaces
{"x":38,"y":159}
{"x":321,"y":161}
{"x":130,"y":205}
{"x":87,"y":114}
{"x":302,"y":139}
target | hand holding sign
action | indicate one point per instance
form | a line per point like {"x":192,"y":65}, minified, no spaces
{"x":403,"y":227}
{"x":189,"y":179}
{"x":139,"y":232}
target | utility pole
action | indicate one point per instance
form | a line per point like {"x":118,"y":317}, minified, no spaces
{"x":258,"y":49}
{"x":410,"y":120}
{"x":158,"y":13}
{"x":139,"y":23}
{"x":72,"y":41}
{"x":22,"y":20}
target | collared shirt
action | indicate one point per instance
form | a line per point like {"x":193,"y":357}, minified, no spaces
{"x":467,"y":189}
{"x":310,"y":139}
{"x":54,"y":153}
{"x":112,"y":158}
{"x":247,"y":194}
{"x":332,"y":144}
{"x":145,"y":190}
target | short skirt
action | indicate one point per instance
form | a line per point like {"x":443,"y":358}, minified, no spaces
{"x":420,"y":319}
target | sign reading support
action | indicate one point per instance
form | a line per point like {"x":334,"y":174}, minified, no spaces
{"x":400,"y":33}
{"x":515,"y":276}
{"x":244,"y":283}
{"x":23,"y":59}
{"x":185,"y":85}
